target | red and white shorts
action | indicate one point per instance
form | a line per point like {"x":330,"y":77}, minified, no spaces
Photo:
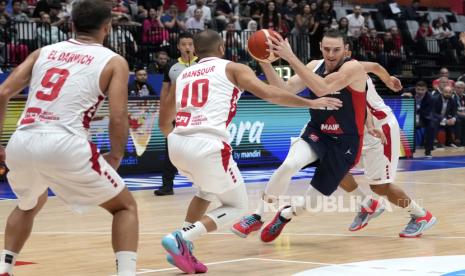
{"x":206,"y":161}
{"x":51,"y":157}
{"x":380,"y":161}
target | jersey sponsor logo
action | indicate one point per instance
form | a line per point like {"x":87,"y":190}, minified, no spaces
{"x":314,"y":137}
{"x":331,"y":126}
{"x":182,"y":119}
{"x":34,"y":114}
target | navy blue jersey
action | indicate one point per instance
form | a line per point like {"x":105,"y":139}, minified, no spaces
{"x":347,"y":120}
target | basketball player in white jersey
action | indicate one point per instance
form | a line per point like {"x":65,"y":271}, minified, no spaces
{"x":205,"y":97}
{"x":380,"y":158}
{"x":67,"y":82}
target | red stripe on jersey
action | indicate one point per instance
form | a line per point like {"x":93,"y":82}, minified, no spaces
{"x":359,"y":102}
{"x":89,"y":113}
{"x":225,"y":155}
{"x":387,"y":147}
{"x":377,"y":113}
{"x":94,"y":158}
{"x":233,"y":106}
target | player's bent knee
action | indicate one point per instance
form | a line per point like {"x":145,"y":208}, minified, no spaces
{"x":290,"y":166}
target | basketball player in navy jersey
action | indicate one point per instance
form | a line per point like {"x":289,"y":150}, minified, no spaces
{"x":333,"y":138}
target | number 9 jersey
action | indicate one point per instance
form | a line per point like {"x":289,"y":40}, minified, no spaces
{"x":65,"y":88}
{"x":206,"y":100}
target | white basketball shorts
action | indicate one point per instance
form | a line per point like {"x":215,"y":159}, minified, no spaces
{"x":71,"y":166}
{"x":380,"y":161}
{"x":206,"y":161}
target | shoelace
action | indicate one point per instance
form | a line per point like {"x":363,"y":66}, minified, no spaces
{"x":248,"y":221}
{"x":275,"y":226}
{"x":412,"y":225}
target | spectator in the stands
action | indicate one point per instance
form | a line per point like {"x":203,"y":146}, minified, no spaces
{"x":121,"y":39}
{"x":390,"y":9}
{"x":460,"y":98}
{"x":356,"y":22}
{"x":257,"y":8}
{"x":180,"y":4}
{"x":372,"y":46}
{"x":443,"y":72}
{"x":323,"y":18}
{"x":57,"y":18}
{"x":270,"y":18}
{"x":140,"y":87}
{"x":304,"y":21}
{"x":3,"y":10}
{"x":119,"y":7}
{"x":444,"y":35}
{"x":197,"y":21}
{"x":4,"y":37}
{"x":18,"y":15}
{"x":173,"y":22}
{"x":423,"y":33}
{"x":154,"y":32}
{"x":223,"y":14}
{"x":343,"y":25}
{"x":445,"y":110}
{"x":232,"y":41}
{"x":411,"y":12}
{"x":48,"y":34}
{"x":206,"y":12}
{"x":391,"y":54}
{"x":160,"y":64}
{"x":289,"y":13}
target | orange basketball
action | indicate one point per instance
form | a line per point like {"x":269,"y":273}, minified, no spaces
{"x":257,"y":47}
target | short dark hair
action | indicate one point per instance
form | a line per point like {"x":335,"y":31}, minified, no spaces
{"x":88,"y":16}
{"x":335,"y":33}
{"x":185,"y":35}
{"x":159,"y":53}
{"x":206,"y":42}
{"x":421,"y":84}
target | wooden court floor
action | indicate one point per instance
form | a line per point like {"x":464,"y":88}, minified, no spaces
{"x":64,"y":243}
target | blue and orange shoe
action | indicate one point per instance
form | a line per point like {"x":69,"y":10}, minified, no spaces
{"x":274,"y":228}
{"x":178,"y":248}
{"x":198,"y":266}
{"x":417,"y":225}
{"x":247,"y":225}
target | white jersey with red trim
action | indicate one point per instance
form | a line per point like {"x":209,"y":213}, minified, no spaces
{"x":375,"y":103}
{"x":65,"y":86}
{"x":206,"y":100}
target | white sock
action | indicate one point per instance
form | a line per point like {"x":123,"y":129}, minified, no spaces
{"x":287,"y":213}
{"x":366,"y":200}
{"x":126,"y":263}
{"x":261,"y":208}
{"x":7,"y":261}
{"x":185,"y":224}
{"x":194,"y":231}
{"x":416,"y":209}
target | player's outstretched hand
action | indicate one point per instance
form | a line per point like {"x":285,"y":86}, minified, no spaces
{"x":113,"y":160}
{"x":394,"y":84}
{"x":378,"y":134}
{"x":326,"y":103}
{"x":281,"y":47}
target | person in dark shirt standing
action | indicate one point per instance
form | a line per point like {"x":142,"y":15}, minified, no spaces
{"x":187,"y":58}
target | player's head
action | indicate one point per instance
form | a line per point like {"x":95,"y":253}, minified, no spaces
{"x":208,"y":43}
{"x":186,"y":44}
{"x":91,"y":17}
{"x":334,"y":47}
{"x":421,"y":88}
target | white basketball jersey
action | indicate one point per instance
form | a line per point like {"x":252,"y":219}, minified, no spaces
{"x":65,"y":88}
{"x":375,"y":103}
{"x":206,"y":100}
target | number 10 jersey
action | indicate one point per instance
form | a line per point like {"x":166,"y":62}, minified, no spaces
{"x":65,"y":86}
{"x":206,"y":100}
